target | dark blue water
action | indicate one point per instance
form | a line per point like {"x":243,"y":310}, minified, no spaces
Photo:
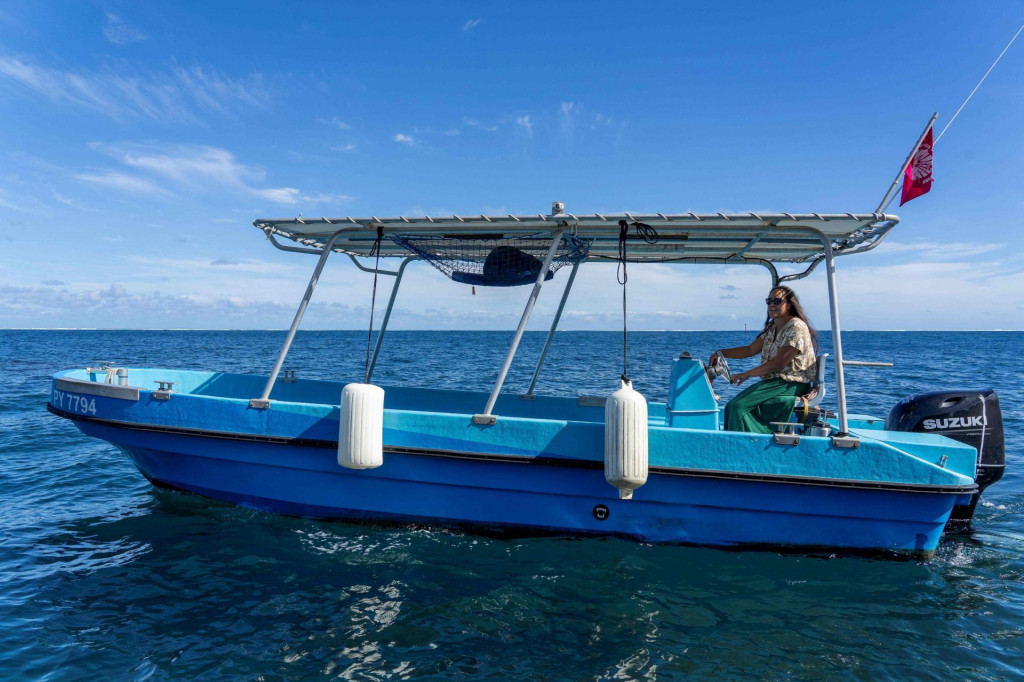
{"x":102,"y":575}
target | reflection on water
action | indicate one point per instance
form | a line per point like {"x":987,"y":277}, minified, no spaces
{"x":199,"y":588}
{"x":101,"y":572}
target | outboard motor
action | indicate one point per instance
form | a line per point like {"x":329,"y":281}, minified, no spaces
{"x":971,"y":417}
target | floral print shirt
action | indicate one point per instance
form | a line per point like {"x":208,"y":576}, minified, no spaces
{"x":795,"y":333}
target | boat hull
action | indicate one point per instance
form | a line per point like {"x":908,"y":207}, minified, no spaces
{"x":472,"y":490}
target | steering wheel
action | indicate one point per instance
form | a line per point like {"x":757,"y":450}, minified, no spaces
{"x":719,"y":368}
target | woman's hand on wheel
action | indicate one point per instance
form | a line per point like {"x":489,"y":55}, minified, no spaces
{"x":738,"y":379}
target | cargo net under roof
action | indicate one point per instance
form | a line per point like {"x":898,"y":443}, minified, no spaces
{"x":493,"y":260}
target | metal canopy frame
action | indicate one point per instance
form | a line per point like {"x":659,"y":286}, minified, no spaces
{"x":724,"y":239}
{"x":734,"y":238}
{"x":263,"y":402}
{"x":486,"y":418}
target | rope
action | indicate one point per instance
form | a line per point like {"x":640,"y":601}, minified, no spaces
{"x":980,"y":82}
{"x":649,"y":235}
{"x":375,"y":251}
{"x":944,"y":129}
{"x":622,"y":277}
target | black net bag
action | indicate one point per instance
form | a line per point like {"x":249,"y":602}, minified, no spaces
{"x":493,"y":260}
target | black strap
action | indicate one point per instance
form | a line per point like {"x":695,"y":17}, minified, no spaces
{"x":649,"y":235}
{"x":622,"y":276}
{"x":375,"y":250}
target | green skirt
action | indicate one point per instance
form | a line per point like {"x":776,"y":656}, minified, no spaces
{"x":757,"y":406}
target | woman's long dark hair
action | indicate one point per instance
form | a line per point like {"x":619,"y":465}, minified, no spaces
{"x":791,"y":298}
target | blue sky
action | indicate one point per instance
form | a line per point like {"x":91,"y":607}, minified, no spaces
{"x":141,"y":139}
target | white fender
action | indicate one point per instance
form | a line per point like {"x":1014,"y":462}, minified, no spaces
{"x":625,"y":440}
{"x":361,"y":427}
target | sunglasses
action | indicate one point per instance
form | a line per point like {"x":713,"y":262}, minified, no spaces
{"x":774,"y":301}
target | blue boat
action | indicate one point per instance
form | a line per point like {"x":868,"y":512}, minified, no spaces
{"x":593,"y":465}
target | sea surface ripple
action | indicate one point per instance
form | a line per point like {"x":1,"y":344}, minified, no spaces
{"x":101,"y":574}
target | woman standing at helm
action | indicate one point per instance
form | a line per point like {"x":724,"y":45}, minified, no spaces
{"x":787,"y":345}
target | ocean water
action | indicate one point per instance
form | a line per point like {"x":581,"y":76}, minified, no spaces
{"x":104,"y":576}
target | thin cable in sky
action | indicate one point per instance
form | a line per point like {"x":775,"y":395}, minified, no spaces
{"x":980,"y":82}
{"x":950,"y":122}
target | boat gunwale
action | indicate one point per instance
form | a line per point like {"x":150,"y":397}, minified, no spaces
{"x":564,"y":462}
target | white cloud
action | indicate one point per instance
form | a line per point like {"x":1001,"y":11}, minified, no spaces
{"x":186,"y":164}
{"x":473,"y":123}
{"x":126,"y":183}
{"x":281,"y":195}
{"x":264,"y":294}
{"x":119,"y":33}
{"x":570,"y":120}
{"x":213,"y":90}
{"x":346,"y":148}
{"x":242,"y":296}
{"x":192,"y":167}
{"x":57,"y":85}
{"x":5,"y":202}
{"x":122,"y":90}
{"x":471,"y":24}
{"x":71,"y":202}
{"x":419,"y":133}
{"x":113,"y":305}
{"x":940,"y":251}
{"x":250,"y":265}
{"x":320,"y":198}
{"x":567,"y":117}
{"x":336,"y":122}
{"x":930,"y":295}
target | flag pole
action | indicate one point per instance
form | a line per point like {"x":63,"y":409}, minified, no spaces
{"x":892,"y":188}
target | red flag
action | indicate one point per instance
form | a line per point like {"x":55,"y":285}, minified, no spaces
{"x":917,"y":179}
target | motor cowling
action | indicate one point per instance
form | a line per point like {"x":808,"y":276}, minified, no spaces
{"x":970,"y":417}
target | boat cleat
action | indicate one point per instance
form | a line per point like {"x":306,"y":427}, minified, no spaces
{"x":163,"y":392}
{"x":785,"y":433}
